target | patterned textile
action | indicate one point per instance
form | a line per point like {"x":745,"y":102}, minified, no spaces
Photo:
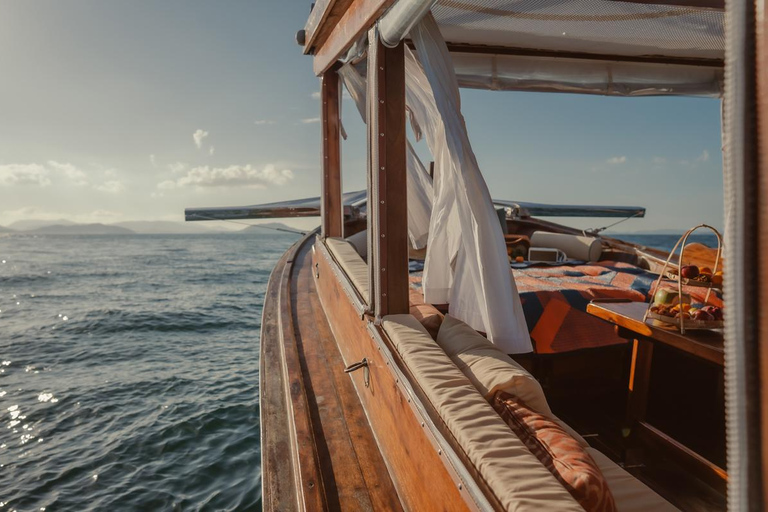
{"x":560,"y":453}
{"x":555,"y":301}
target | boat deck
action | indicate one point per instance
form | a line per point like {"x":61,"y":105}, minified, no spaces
{"x":339,"y":464}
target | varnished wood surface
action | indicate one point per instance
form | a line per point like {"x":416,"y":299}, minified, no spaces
{"x":318,"y":450}
{"x":417,"y":467}
{"x":277,"y":479}
{"x":759,"y":208}
{"x":705,"y":344}
{"x":387,"y":156}
{"x":331,"y":207}
{"x":358,"y":18}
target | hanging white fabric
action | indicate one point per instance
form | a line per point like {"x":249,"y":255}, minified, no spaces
{"x":419,"y":182}
{"x":466,"y":264}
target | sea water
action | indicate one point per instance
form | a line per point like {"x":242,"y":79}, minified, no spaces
{"x":129,"y":369}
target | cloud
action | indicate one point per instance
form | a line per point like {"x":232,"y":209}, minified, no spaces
{"x":659,"y":160}
{"x":703,"y":157}
{"x":232,"y":176}
{"x":111,"y":187}
{"x":75,"y":175}
{"x":211,"y":150}
{"x":198,"y":137}
{"x":616,"y":160}
{"x":177,"y":167}
{"x":308,"y":120}
{"x":263,"y":121}
{"x":344,"y":94}
{"x":315,"y":95}
{"x":153,"y":160}
{"x":24,"y":174}
{"x":41,"y":174}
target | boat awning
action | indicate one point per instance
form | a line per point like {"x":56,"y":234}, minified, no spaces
{"x":355,"y":202}
{"x":525,"y":209}
{"x":309,"y":207}
{"x":608,"y":47}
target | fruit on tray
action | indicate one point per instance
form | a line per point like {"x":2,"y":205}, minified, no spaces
{"x":671,"y":297}
{"x":717,"y":279}
{"x":689,"y":271}
{"x":704,"y":314}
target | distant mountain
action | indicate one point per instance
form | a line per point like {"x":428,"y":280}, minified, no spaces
{"x":24,"y":225}
{"x":3,"y":229}
{"x":81,"y":229}
{"x":149,"y":227}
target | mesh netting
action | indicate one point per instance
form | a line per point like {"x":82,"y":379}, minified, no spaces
{"x":592,"y":26}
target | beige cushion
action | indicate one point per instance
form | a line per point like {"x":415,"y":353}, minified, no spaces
{"x":513,"y":473}
{"x":360,"y":241}
{"x":487,"y":366}
{"x":630,"y":494}
{"x":491,"y":370}
{"x":351,"y":263}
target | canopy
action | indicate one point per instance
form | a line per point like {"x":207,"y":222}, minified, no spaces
{"x":608,"y":47}
{"x":309,"y":207}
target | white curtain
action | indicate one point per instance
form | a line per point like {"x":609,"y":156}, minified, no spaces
{"x":419,"y":182}
{"x":466,"y":265}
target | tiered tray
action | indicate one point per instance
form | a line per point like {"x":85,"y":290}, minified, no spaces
{"x":681,"y":321}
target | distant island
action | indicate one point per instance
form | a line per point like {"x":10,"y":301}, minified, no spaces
{"x":66,"y":227}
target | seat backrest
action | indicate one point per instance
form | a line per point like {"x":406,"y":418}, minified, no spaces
{"x":351,"y":263}
{"x":515,"y":476}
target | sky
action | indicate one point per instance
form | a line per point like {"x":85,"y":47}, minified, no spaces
{"x":113,"y":111}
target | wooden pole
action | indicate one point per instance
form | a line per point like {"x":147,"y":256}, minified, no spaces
{"x":386,"y":146}
{"x":332,"y":219}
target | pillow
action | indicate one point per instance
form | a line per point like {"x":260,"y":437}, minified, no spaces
{"x":360,"y":241}
{"x":560,"y":453}
{"x":487,"y":366}
{"x":426,"y":314}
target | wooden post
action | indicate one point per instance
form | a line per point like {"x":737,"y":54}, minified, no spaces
{"x":386,"y":155}
{"x":331,"y":207}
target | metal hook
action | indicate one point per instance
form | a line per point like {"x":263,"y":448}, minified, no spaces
{"x":356,"y":366}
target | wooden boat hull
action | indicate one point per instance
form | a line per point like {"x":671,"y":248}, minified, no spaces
{"x":328,"y":441}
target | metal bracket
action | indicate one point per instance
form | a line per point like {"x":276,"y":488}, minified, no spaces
{"x":356,"y":366}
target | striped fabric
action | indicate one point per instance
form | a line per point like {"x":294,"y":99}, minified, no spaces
{"x":555,"y":301}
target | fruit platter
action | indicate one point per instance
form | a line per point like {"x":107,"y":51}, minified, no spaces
{"x":669,"y":307}
{"x":694,"y":276}
{"x":672,"y":306}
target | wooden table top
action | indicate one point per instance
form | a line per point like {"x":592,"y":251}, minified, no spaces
{"x":706,"y":344}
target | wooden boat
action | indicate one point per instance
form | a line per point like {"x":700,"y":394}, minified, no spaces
{"x":362,"y":408}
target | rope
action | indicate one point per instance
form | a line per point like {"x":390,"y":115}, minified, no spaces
{"x":596,"y":231}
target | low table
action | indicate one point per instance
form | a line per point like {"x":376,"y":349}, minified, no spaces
{"x":706,"y":345}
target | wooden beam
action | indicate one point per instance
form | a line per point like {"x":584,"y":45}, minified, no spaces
{"x":322,"y":20}
{"x":358,"y":18}
{"x":760,"y":211}
{"x":386,"y":154}
{"x":332,"y":218}
{"x":533,"y":52}
{"x":696,"y":4}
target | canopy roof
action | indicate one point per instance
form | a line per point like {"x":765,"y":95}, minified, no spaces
{"x":356,"y":201}
{"x":602,"y":27}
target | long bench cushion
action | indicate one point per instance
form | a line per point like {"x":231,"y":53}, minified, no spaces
{"x":515,"y":476}
{"x":351,"y":263}
{"x":491,"y":370}
{"x":630,"y":494}
{"x":560,"y":453}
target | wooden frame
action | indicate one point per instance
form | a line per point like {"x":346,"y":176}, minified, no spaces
{"x":388,"y":174}
{"x":533,"y":52}
{"x":331,"y":207}
{"x":358,"y":18}
{"x":760,"y":210}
